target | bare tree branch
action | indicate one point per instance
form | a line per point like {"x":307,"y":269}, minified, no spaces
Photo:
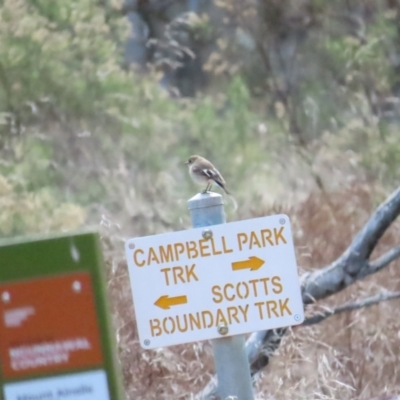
{"x":383,"y":261}
{"x":351,"y":266}
{"x":368,"y":302}
{"x":261,"y":346}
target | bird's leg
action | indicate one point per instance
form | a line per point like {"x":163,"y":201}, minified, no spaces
{"x":208,"y":187}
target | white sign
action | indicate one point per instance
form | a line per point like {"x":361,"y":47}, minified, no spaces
{"x":242,"y":275}
{"x":90,"y":385}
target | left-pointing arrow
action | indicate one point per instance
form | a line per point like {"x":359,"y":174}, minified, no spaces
{"x":165,"y":301}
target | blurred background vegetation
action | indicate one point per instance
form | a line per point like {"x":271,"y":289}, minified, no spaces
{"x":297,"y":102}
{"x":283,"y":96}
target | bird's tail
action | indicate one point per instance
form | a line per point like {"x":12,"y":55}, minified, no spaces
{"x":223,"y":187}
{"x":234,"y":202}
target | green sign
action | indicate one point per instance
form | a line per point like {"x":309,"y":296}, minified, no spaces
{"x":56,"y":340}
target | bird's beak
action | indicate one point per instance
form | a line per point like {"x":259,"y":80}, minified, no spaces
{"x":186,"y":162}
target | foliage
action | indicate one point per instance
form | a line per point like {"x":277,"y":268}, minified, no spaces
{"x":31,"y":212}
{"x":74,"y":123}
{"x":60,"y":53}
{"x":303,"y":96}
{"x":71,"y":116}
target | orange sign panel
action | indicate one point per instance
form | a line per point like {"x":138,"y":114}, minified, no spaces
{"x":48,"y":325}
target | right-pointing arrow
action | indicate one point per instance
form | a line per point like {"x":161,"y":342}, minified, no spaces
{"x":252,"y":263}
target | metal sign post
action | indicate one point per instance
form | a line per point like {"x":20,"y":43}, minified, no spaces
{"x":231,"y":363}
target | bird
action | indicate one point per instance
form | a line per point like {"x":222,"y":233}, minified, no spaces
{"x":203,"y":172}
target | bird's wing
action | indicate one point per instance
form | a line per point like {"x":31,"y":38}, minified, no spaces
{"x":210,"y":173}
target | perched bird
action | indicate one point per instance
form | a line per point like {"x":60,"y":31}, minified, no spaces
{"x":203,"y":172}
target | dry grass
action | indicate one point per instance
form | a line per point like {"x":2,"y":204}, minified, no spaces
{"x":350,"y":356}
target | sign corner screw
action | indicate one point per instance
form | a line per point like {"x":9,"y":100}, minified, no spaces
{"x":223,"y":328}
{"x":207,"y":234}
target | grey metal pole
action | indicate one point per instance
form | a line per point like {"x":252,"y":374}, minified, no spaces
{"x":230,"y":357}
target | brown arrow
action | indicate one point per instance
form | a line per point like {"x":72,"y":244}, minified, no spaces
{"x":252,"y":263}
{"x":165,"y":301}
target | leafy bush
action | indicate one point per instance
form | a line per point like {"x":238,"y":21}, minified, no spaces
{"x":25,"y":212}
{"x":78,"y":126}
